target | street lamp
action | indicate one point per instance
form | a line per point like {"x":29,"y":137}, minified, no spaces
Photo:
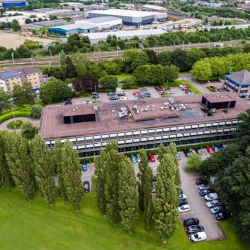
{"x":12,"y":55}
{"x":99,"y":54}
{"x":51,"y":57}
{"x":117,"y":48}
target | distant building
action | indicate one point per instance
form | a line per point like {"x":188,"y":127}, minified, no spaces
{"x":149,"y":7}
{"x":238,"y":83}
{"x":12,"y":3}
{"x":236,"y":26}
{"x":18,"y":77}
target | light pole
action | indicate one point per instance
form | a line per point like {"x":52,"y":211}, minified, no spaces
{"x":99,"y":53}
{"x":51,"y":57}
{"x":12,"y":55}
{"x":117,"y":48}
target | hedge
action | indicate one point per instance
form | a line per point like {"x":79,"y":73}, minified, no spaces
{"x":9,"y":115}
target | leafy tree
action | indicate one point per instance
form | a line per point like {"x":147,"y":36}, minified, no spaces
{"x":164,"y":58}
{"x":79,"y":60}
{"x":86,"y":84}
{"x":54,"y":90}
{"x":155,"y":75}
{"x":4,"y":100}
{"x":4,"y":168}
{"x":194,"y":55}
{"x":15,"y":25}
{"x":88,"y":69}
{"x":71,"y":169}
{"x":98,"y":182}
{"x":63,"y":58}
{"x":112,"y":164}
{"x":44,"y":168}
{"x":246,"y":48}
{"x":166,"y":214}
{"x":28,"y":20}
{"x":151,"y":56}
{"x":194,"y":162}
{"x":140,"y":74}
{"x":178,"y":58}
{"x":23,"y":51}
{"x":128,"y":197}
{"x":23,"y":95}
{"x":171,"y":73}
{"x":202,"y":70}
{"x":109,"y":83}
{"x":36,"y":110}
{"x":26,"y":127}
{"x":20,"y":164}
{"x":70,"y":68}
{"x":161,"y":152}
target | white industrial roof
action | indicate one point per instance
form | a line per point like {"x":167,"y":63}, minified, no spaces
{"x":153,"y":7}
{"x":76,"y":26}
{"x":119,"y":12}
{"x":124,"y":34}
{"x":103,"y":19}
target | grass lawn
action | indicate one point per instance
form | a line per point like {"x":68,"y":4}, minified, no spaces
{"x":35,"y":225}
{"x":123,"y":76}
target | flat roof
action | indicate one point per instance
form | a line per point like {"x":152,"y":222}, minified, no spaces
{"x":219,"y":98}
{"x":74,"y":110}
{"x":241,"y":77}
{"x":128,"y":13}
{"x":153,"y":7}
{"x":85,"y":25}
{"x":103,"y":19}
{"x":107,"y":116}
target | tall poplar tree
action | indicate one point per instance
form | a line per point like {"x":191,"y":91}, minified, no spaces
{"x":44,"y":166}
{"x":4,"y":168}
{"x":128,"y":197}
{"x":143,"y":164}
{"x":72,"y":175}
{"x":165,"y":204}
{"x":60,"y":171}
{"x":161,"y":151}
{"x":20,"y":164}
{"x":98,"y":182}
{"x":112,"y":165}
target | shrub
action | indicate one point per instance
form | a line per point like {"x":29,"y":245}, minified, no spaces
{"x":194,"y":162}
{"x":36,"y":110}
{"x":15,"y":124}
{"x":26,"y":127}
{"x":30,"y":134}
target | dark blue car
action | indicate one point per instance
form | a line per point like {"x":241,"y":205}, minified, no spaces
{"x":84,"y":166}
{"x":204,"y":192}
{"x":220,"y":146}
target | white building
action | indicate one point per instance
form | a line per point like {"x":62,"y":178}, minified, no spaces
{"x":156,"y":8}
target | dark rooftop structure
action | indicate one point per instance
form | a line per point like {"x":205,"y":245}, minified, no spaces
{"x":218,"y":101}
{"x":240,"y":78}
{"x":134,"y":115}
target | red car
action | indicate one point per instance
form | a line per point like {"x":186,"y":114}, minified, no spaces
{"x":185,"y":89}
{"x":137,"y":93}
{"x":160,"y":89}
{"x":210,"y":150}
{"x":151,"y":158}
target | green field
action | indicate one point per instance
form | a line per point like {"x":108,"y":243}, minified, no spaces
{"x":123,"y":76}
{"x":35,"y":225}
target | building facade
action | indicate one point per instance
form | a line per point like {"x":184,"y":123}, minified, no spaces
{"x":238,"y":83}
{"x":18,"y":77}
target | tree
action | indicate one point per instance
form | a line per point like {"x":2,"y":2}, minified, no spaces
{"x":26,"y":127}
{"x":4,"y":100}
{"x":155,"y":75}
{"x":112,"y":164}
{"x":151,"y":56}
{"x":59,"y":169}
{"x":44,"y":168}
{"x":178,"y":58}
{"x":54,"y":90}
{"x":171,"y":73}
{"x":63,"y":64}
{"x":20,"y":164}
{"x":79,"y":60}
{"x":246,"y":48}
{"x":166,"y":200}
{"x":202,"y":70}
{"x":36,"y":110}
{"x":194,"y":162}
{"x":128,"y":198}
{"x":89,"y":68}
{"x":71,"y":169}
{"x":161,"y":152}
{"x":4,"y":168}
{"x":23,"y":52}
{"x":109,"y":83}
{"x":23,"y":95}
{"x":98,"y":182}
{"x":164,"y":58}
{"x":140,"y":74}
{"x":15,"y":25}
{"x":70,"y":68}
{"x":86,"y":84}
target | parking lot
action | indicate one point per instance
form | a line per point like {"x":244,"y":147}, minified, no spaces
{"x":196,"y":202}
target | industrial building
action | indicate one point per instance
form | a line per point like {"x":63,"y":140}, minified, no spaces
{"x":149,"y":7}
{"x":102,"y":36}
{"x":236,"y":26}
{"x":143,"y":124}
{"x":129,"y":17}
{"x":238,"y":83}
{"x":12,"y":3}
{"x":18,"y":77}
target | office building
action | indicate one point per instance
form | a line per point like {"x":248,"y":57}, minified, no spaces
{"x":143,"y":124}
{"x":12,"y":3}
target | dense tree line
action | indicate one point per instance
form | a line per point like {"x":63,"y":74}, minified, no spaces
{"x":31,"y":165}
{"x":119,"y":196}
{"x":231,"y":167}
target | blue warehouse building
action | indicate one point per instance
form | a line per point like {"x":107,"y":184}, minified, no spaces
{"x":12,"y":3}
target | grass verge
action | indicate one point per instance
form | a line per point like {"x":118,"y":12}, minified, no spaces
{"x":36,"y":225}
{"x":15,"y":124}
{"x":123,"y":76}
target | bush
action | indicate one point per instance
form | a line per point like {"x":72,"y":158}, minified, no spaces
{"x":15,"y":124}
{"x":194,"y":162}
{"x":26,"y":127}
{"x":211,"y":89}
{"x":36,"y":110}
{"x":30,"y":134}
{"x":9,"y":115}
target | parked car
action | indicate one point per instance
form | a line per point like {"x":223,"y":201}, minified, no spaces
{"x":151,"y":157}
{"x":67,"y":103}
{"x":185,"y":89}
{"x":194,"y":229}
{"x":201,"y":181}
{"x":138,"y":158}
{"x":86,"y":186}
{"x":217,"y":209}
{"x":198,"y":150}
{"x":203,"y":186}
{"x":181,"y":191}
{"x":120,"y":94}
{"x":169,"y":90}
{"x":160,"y":90}
{"x":178,"y":157}
{"x":154,"y":177}
{"x":222,"y":216}
{"x":113,"y":98}
{"x":94,"y":94}
{"x":184,"y":208}
{"x":143,"y":89}
{"x":147,"y":95}
{"x":133,"y":159}
{"x":137,"y":93}
{"x":193,"y":151}
{"x":84,"y":166}
{"x":164,"y":93}
{"x":211,"y":196}
{"x":190,"y":222}
{"x":111,"y":93}
{"x":140,"y":96}
{"x":215,"y":149}
{"x":221,"y":146}
{"x":183,"y":196}
{"x":201,"y":236}
{"x":186,"y":152}
{"x":210,"y":150}
{"x":182,"y":202}
{"x":123,"y":98}
{"x":204,"y":192}
{"x":214,"y":203}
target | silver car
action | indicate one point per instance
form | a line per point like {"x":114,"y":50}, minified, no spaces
{"x":214,"y":203}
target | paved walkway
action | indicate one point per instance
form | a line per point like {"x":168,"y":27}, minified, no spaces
{"x":35,"y":122}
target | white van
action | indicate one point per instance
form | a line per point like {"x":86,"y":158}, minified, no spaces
{"x":196,"y":237}
{"x":119,"y":90}
{"x":211,"y":196}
